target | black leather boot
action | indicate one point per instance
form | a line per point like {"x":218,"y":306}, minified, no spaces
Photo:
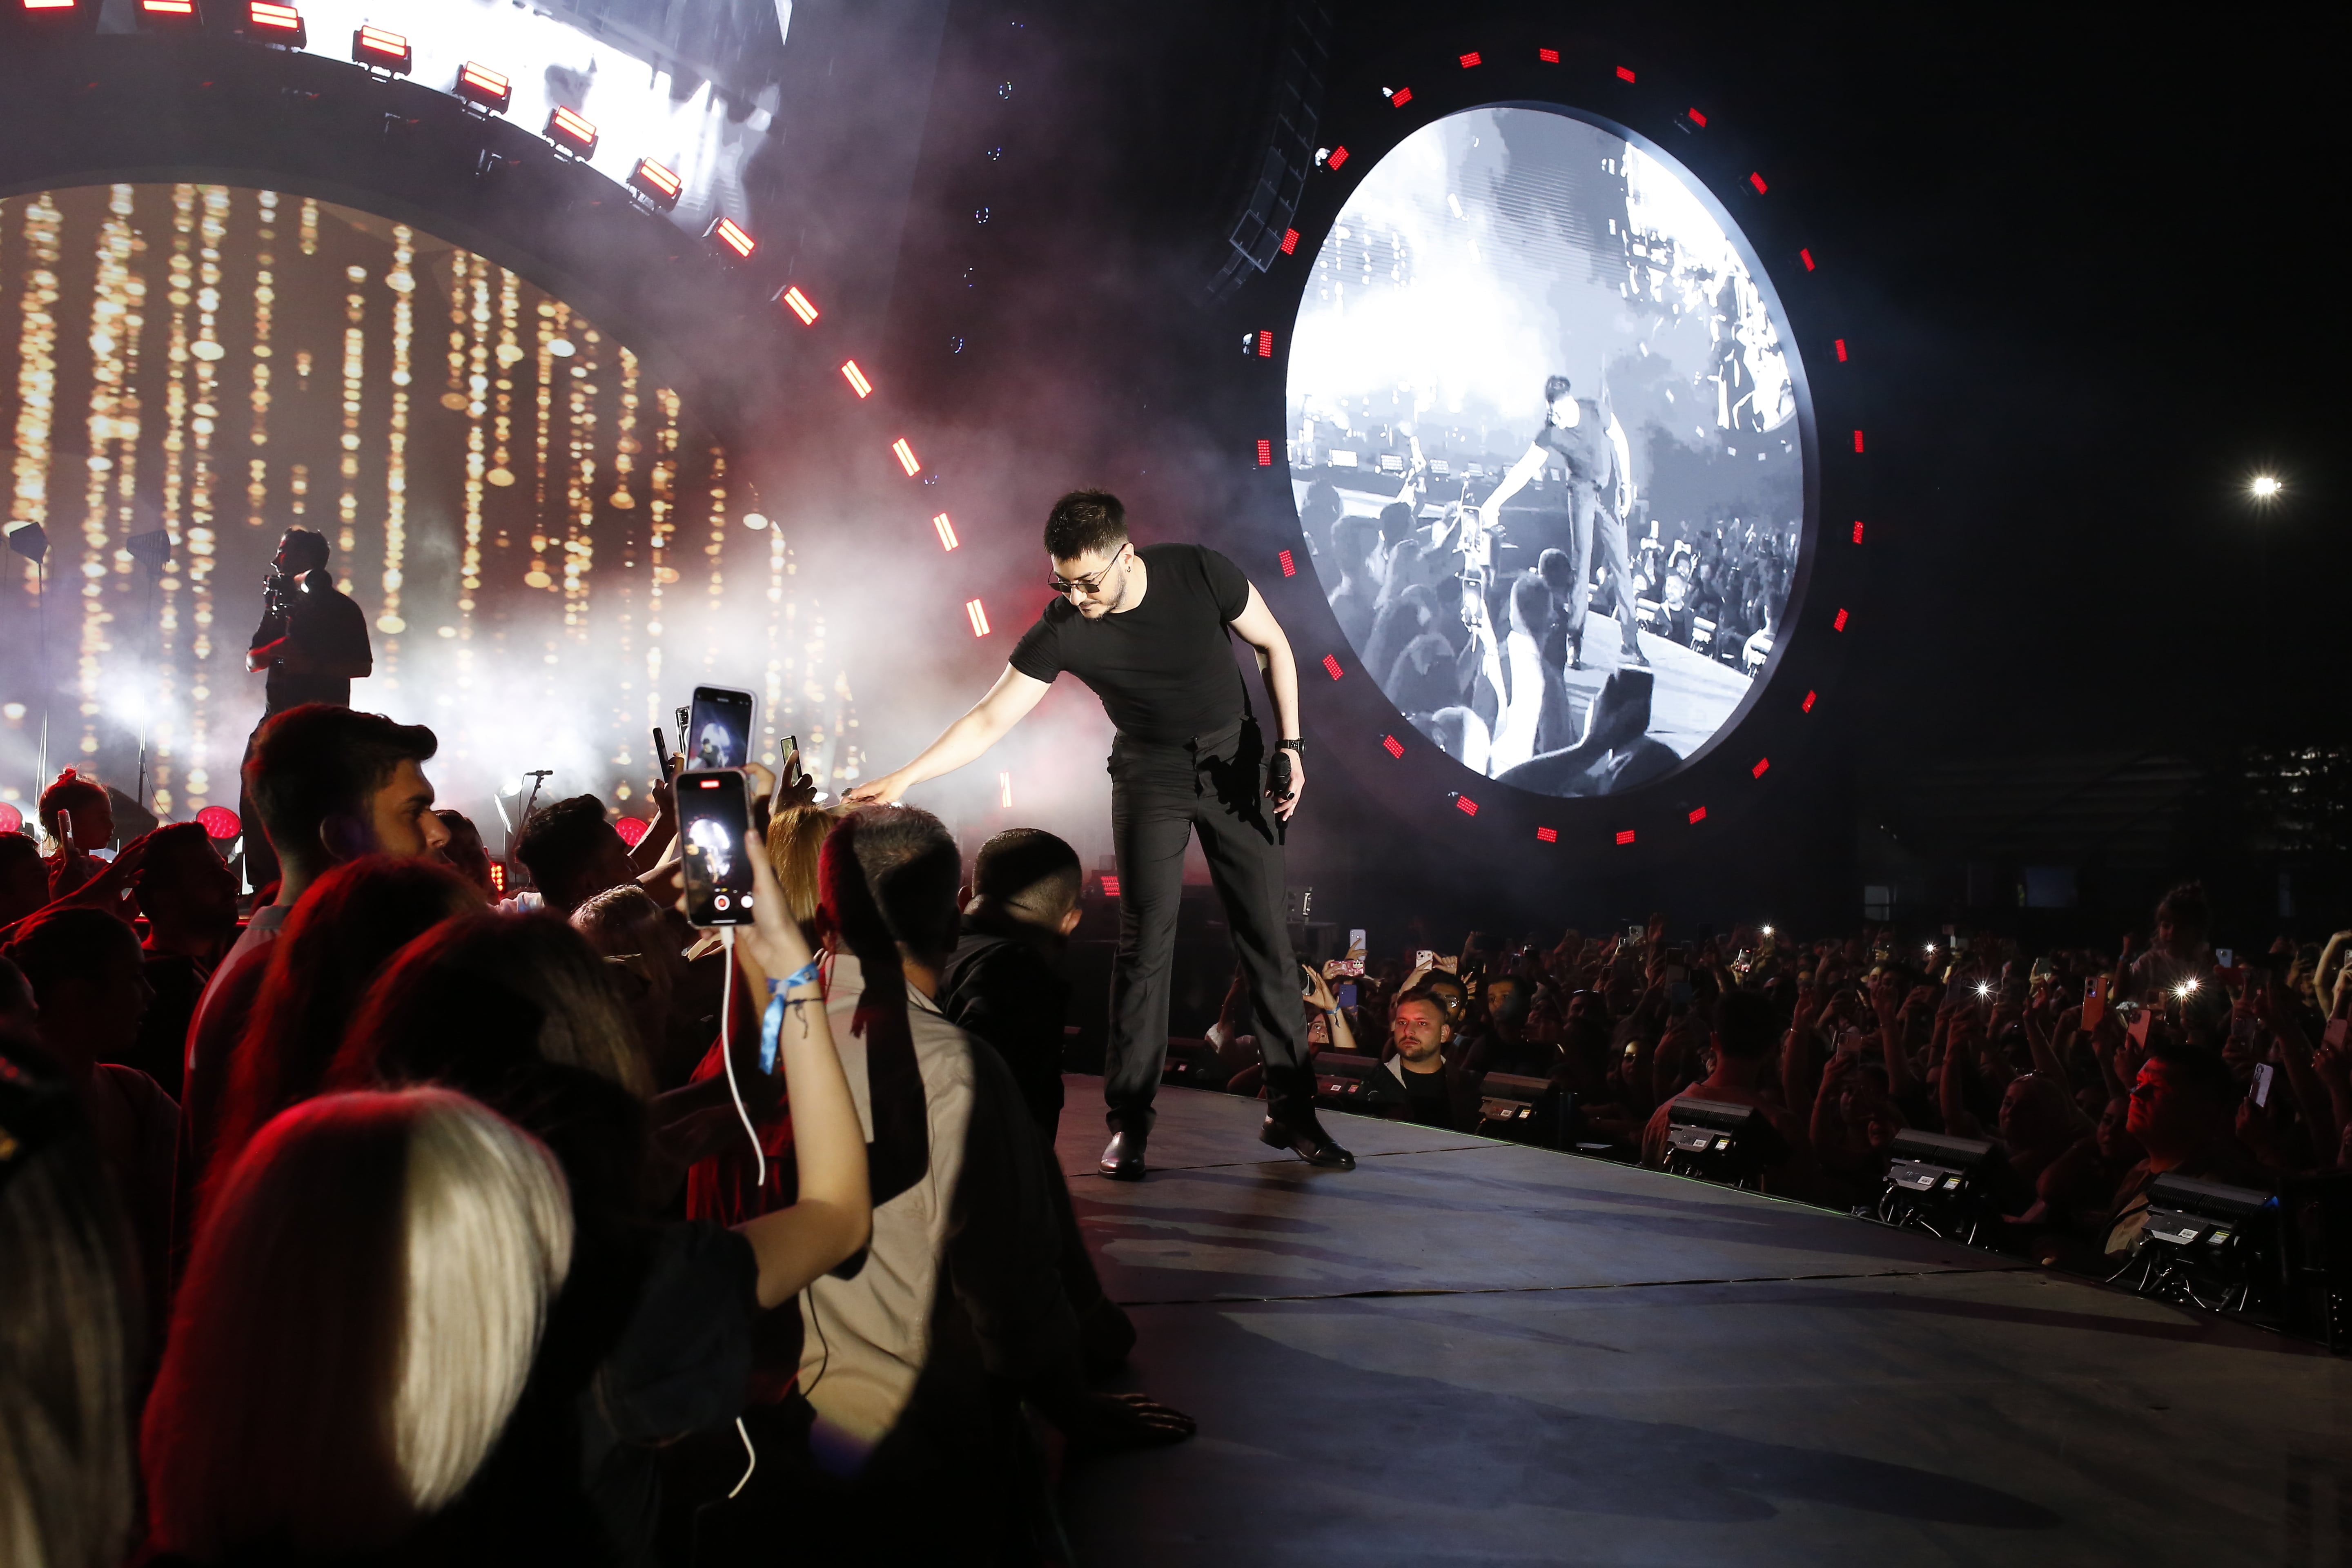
{"x":1122,"y":1161}
{"x":1291,"y":1123}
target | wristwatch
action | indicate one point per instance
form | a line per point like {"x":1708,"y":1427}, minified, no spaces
{"x":1298,"y":746}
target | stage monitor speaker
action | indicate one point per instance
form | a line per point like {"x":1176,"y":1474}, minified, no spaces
{"x":1941,"y":1184}
{"x":1193,"y":1064}
{"x":1719,"y":1142}
{"x":1525,"y":1110}
{"x":2212,"y":1245}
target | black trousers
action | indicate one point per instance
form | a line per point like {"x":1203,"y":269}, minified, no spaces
{"x":1159,"y":795}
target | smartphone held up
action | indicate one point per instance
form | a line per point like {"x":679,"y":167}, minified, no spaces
{"x":713,"y":821}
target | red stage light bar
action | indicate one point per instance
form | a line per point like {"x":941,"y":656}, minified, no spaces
{"x":1470,"y":59}
{"x":277,"y":24}
{"x":1400,"y":98}
{"x":1393,"y":746}
{"x":1857,"y":530}
{"x":906,"y":456}
{"x":1762,"y":763}
{"x":220,"y":823}
{"x":571,"y":134}
{"x":978,"y":615}
{"x":1289,"y":242}
{"x":1757,"y":181}
{"x":498,"y":875}
{"x":1806,"y":705}
{"x":630,"y":828}
{"x":1697,"y":816}
{"x":1841,"y":351}
{"x":798,"y":304}
{"x":1624,"y":73}
{"x":1110,"y":886}
{"x":1547,"y":834}
{"x":1548,"y":57}
{"x":1266,"y":454}
{"x":1839,"y":625}
{"x":1265,"y":344}
{"x":46,"y":5}
{"x":1465,"y":806}
{"x":1696,"y":117}
{"x":1624,"y":835}
{"x":381,"y":49}
{"x":1858,"y":443}
{"x":733,"y":236}
{"x":1807,"y":257}
{"x":1339,"y":156}
{"x":169,"y":16}
{"x":1289,"y":563}
{"x":946,"y":530}
{"x":1332,"y":665}
{"x":10,"y":819}
{"x":856,"y":378}
{"x":659,"y":186}
{"x":483,"y":88}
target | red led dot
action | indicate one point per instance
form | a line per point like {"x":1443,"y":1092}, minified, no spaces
{"x":1289,"y":565}
{"x":1289,"y":242}
{"x":1400,"y":97}
{"x":1332,"y":665}
{"x":1624,"y":835}
{"x":1624,"y":73}
{"x":1807,"y":257}
{"x":1549,"y":56}
{"x":1465,"y":806}
{"x":1762,"y":764}
{"x":1470,"y":59}
{"x":1339,"y":156}
{"x":1391,"y":744}
{"x":1699,"y":815}
{"x":1838,"y":625}
{"x":1266,"y":454}
{"x":1857,"y":530}
{"x":1807,"y":706}
{"x":1841,"y":351}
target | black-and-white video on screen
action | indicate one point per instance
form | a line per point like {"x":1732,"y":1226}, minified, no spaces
{"x":1545,"y":448}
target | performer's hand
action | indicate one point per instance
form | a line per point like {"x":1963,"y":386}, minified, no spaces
{"x":883,"y":791}
{"x":1284,"y":805}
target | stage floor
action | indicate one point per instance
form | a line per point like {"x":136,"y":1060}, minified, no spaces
{"x":1464,"y":1352}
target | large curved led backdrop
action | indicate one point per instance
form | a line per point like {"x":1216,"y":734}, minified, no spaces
{"x":1570,"y":594}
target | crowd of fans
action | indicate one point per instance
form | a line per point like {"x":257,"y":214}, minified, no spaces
{"x":2091,"y":1072}
{"x":390,"y":1222}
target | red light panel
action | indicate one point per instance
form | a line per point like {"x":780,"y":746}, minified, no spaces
{"x":1547,"y":834}
{"x":480,"y":85}
{"x":1470,"y":59}
{"x":1110,"y":887}
{"x":1697,"y":816}
{"x":1265,"y":344}
{"x":798,"y":304}
{"x":1624,"y":74}
{"x":1807,"y":257}
{"x":657,"y":182}
{"x":1762,"y":764}
{"x":10,"y":819}
{"x":1400,"y":98}
{"x":567,"y":130}
{"x":1339,"y":156}
{"x":906,"y":456}
{"x":1266,"y":454}
{"x":1391,"y":745}
{"x":630,"y":828}
{"x":1841,"y":351}
{"x":219,"y":822}
{"x":1857,"y":441}
{"x":1857,"y":530}
{"x":1806,"y":705}
{"x":734,"y":237}
{"x":283,"y":23}
{"x":497,"y":876}
{"x":44,"y":6}
{"x":381,"y":49}
{"x":1549,"y":56}
{"x":1465,"y":806}
{"x":1838,"y":625}
{"x":1289,"y":241}
{"x":946,"y":530}
{"x":1289,"y":565}
{"x":1696,"y":117}
{"x":167,"y":10}
{"x":856,"y":378}
{"x":978,"y":614}
{"x":1624,"y":835}
{"x":1757,"y":181}
{"x":1332,"y":665}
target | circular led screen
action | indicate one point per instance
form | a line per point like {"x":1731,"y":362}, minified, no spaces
{"x":1545,"y":445}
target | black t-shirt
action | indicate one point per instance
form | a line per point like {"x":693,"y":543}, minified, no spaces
{"x":1585,"y":451}
{"x":1164,"y":670}
{"x":329,"y":628}
{"x":1429,"y":1099}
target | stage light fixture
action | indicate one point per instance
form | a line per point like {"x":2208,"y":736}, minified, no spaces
{"x":484,"y":89}
{"x":1289,"y":242}
{"x":1391,"y":745}
{"x":1266,"y":347}
{"x":1339,"y":156}
{"x":660,"y":187}
{"x":1696,"y":117}
{"x":1763,"y":765}
{"x":1465,"y":806}
{"x":906,"y":456}
{"x":1624,"y":835}
{"x":1548,"y":57}
{"x":797,"y":302}
{"x":381,"y":49}
{"x":1719,"y":1142}
{"x":1624,"y":73}
{"x":1858,"y":443}
{"x":1547,"y":834}
{"x":1331,"y":667}
{"x":1807,"y":257}
{"x":1266,"y":454}
{"x":1523,"y":1110}
{"x":1857,"y":530}
{"x":220,"y":823}
{"x":1940,"y":1185}
{"x":29,"y":540}
{"x":2265,"y":486}
{"x":169,"y":16}
{"x":498,"y":875}
{"x":630,"y":828}
{"x":1110,"y":886}
{"x":1289,"y":562}
{"x":978,"y":614}
{"x":1359,"y":1083}
{"x":1841,"y":351}
{"x":1697,"y":815}
{"x":946,"y":530}
{"x":1191,"y":1064}
{"x":1757,"y":181}
{"x":276,"y":24}
{"x":1400,"y":98}
{"x":1806,"y":705}
{"x":1837,"y":623}
{"x":10,"y":819}
{"x":733,"y":236}
{"x":1470,"y":59}
{"x":755,"y":520}
{"x":2209,"y":1244}
{"x":856,"y":378}
{"x":571,"y":134}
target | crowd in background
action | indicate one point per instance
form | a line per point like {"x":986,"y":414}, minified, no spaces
{"x":2091,"y":1072}
{"x":383,"y":1219}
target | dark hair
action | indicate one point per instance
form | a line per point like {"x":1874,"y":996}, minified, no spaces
{"x":1029,"y":868}
{"x":164,"y":845}
{"x":1531,"y":600}
{"x":59,"y":946}
{"x":888,"y":876}
{"x":1353,"y":539}
{"x":1744,"y":1025}
{"x":20,"y":860}
{"x":1558,"y":571}
{"x":1423,"y":992}
{"x":347,"y":927}
{"x":2183,"y":906}
{"x":1085,"y":521}
{"x":70,"y":790}
{"x":317,"y":761}
{"x":306,"y":543}
{"x":2197,"y":1072}
{"x":557,"y":841}
{"x":1396,"y":521}
{"x":1555,"y":388}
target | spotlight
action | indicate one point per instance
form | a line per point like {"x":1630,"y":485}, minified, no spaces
{"x":2265,"y":486}
{"x":755,"y":520}
{"x":1940,"y":1185}
{"x":979,"y":617}
{"x":29,"y":540}
{"x":656,"y":183}
{"x":906,"y":456}
{"x":2209,"y":1244}
{"x":856,"y":378}
{"x":220,"y":824}
{"x":52,"y":18}
{"x":152,"y":549}
{"x":1716,"y":1140}
{"x":381,"y":49}
{"x":481,"y":87}
{"x":798,"y":304}
{"x":733,"y":236}
{"x":276,"y":24}
{"x":630,"y":828}
{"x":946,"y":531}
{"x":169,"y":16}
{"x":571,"y":134}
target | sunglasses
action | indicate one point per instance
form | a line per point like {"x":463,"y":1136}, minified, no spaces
{"x":1088,"y":585}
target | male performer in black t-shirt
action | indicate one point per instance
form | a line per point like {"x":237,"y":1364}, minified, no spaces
{"x":313,"y":641}
{"x":1147,"y":629}
{"x":1573,"y":435}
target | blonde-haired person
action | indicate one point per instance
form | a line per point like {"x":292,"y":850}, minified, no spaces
{"x":652,"y":1338}
{"x":361,"y":1314}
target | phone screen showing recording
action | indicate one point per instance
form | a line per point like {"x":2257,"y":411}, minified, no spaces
{"x":718,"y":729}
{"x":712,"y":822}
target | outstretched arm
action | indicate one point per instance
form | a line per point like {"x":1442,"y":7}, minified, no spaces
{"x":1523,"y":471}
{"x":1007,"y":703}
{"x":1257,"y":626}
